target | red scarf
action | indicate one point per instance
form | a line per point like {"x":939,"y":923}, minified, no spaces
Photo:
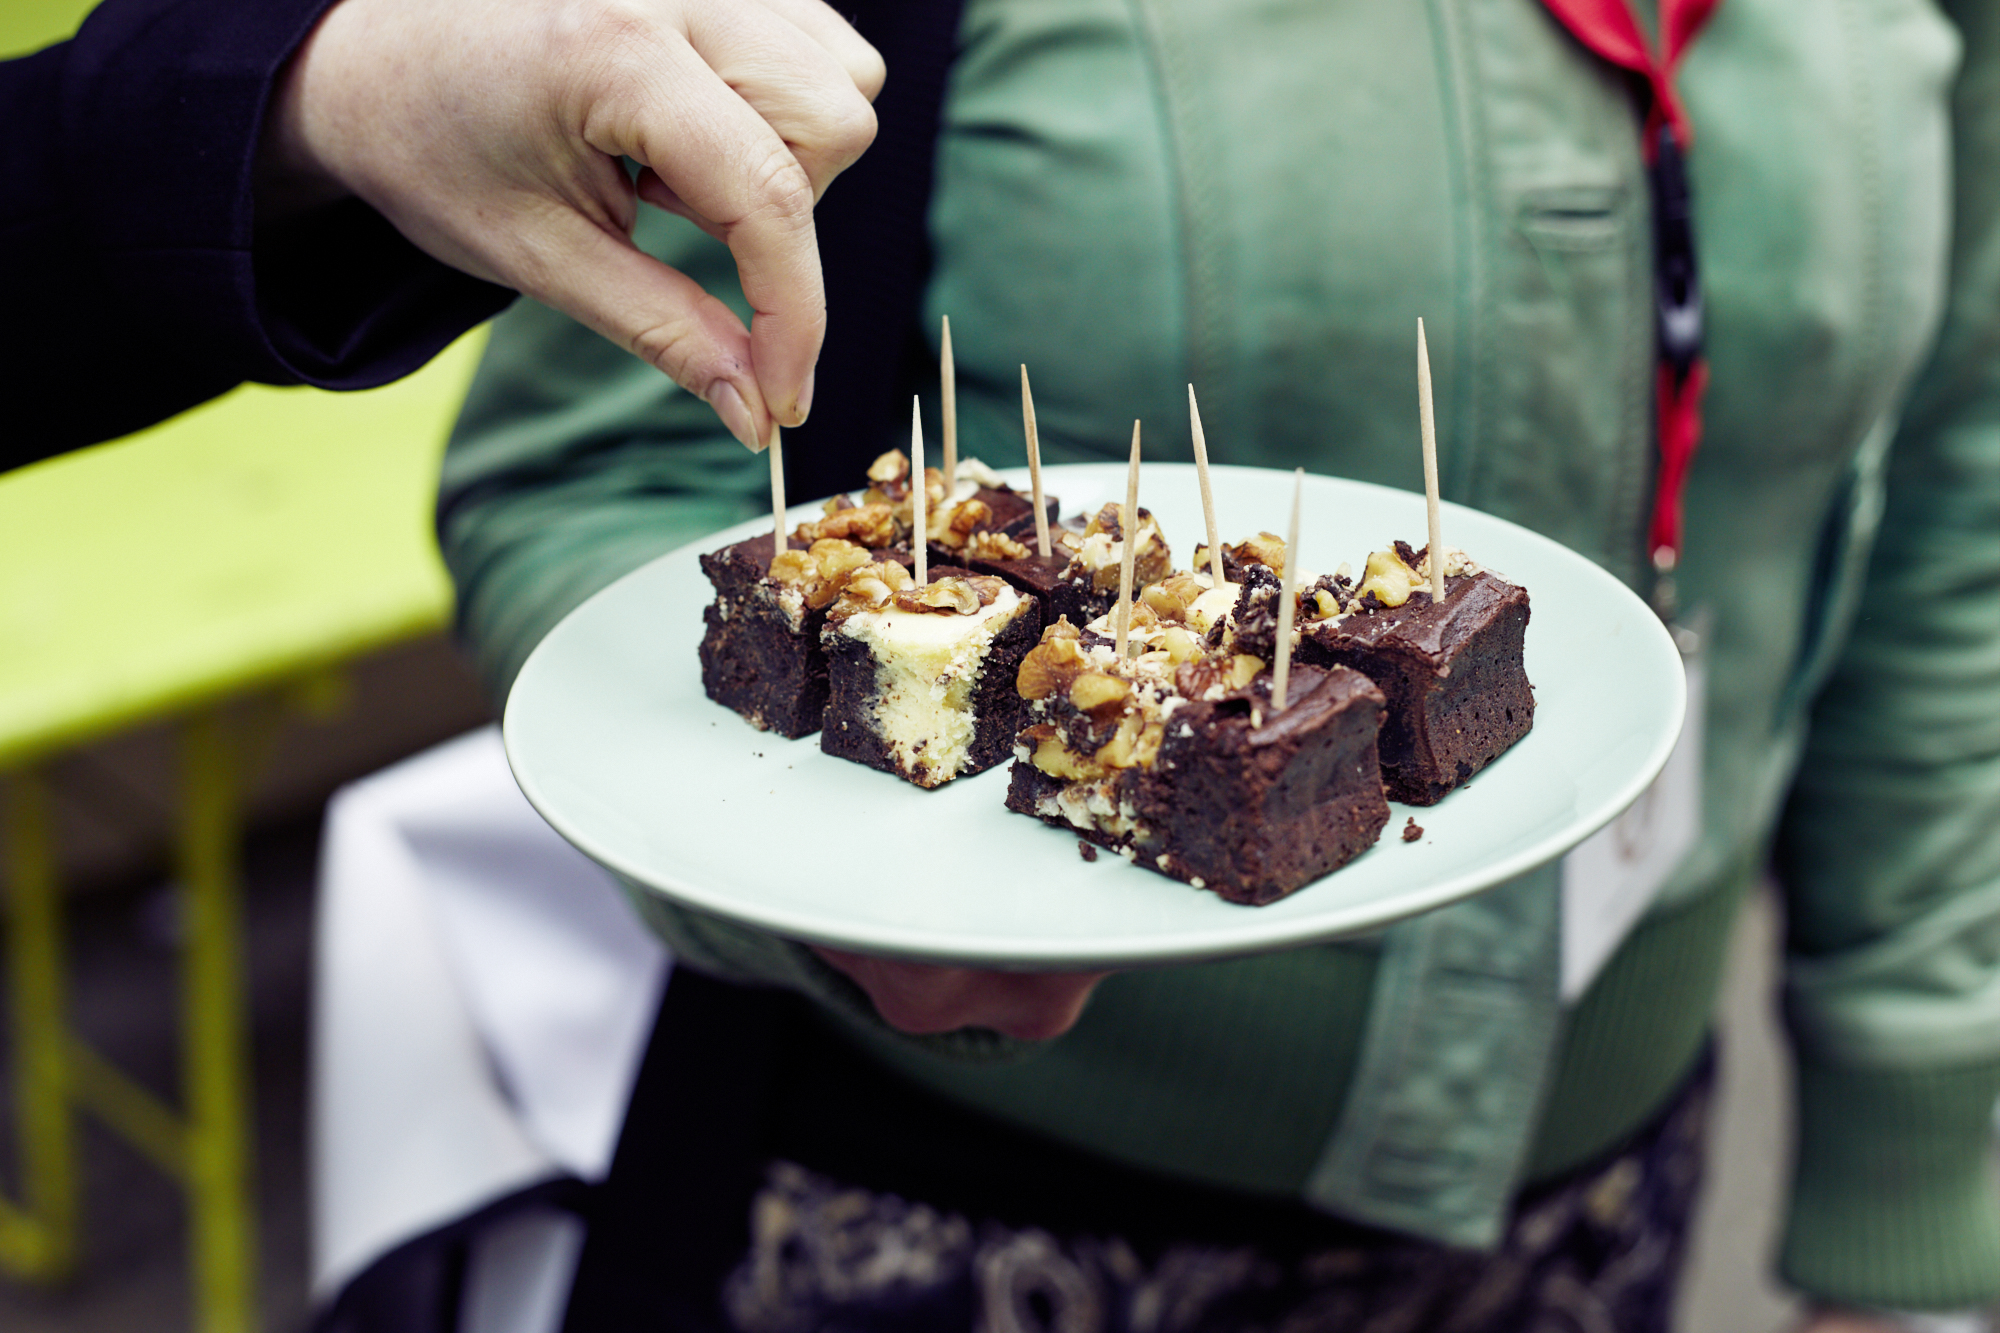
{"x":1609,"y":29}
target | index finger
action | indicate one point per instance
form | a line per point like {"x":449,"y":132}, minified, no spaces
{"x":711,"y":148}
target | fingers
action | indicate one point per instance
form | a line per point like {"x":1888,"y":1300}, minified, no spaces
{"x":920,"y":999}
{"x":728,"y":167}
{"x":657,"y":313}
{"x":823,"y":24}
{"x":805,"y":91}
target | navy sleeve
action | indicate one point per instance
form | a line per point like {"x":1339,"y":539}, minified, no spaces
{"x":136,"y":279}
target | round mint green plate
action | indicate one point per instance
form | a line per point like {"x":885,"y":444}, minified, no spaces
{"x":615,"y":744}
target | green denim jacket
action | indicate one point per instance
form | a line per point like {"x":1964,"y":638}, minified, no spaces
{"x":1261,"y":198}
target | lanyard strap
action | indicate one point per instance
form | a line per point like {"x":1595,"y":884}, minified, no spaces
{"x":1608,"y":28}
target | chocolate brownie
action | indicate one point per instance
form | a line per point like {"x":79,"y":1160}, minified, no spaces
{"x":1458,"y":695}
{"x":1079,"y":579}
{"x":760,"y":654}
{"x":1183,"y":768}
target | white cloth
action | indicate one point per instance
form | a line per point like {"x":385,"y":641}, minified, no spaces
{"x":482,"y":1001}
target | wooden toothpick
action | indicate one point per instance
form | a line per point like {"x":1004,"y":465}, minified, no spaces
{"x":1128,"y":522}
{"x":1427,"y":421}
{"x":777,"y":453}
{"x":1035,"y":466}
{"x":1288,"y":588}
{"x":950,"y":418}
{"x":1207,"y":496}
{"x":919,"y":495}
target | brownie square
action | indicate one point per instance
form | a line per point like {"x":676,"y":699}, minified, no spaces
{"x":929,"y":697}
{"x":1247,"y":803}
{"x":1054,"y":581}
{"x":760,"y":654}
{"x":1458,"y":694}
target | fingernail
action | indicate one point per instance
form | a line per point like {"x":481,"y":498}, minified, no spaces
{"x":806,"y":399}
{"x":729,"y":405}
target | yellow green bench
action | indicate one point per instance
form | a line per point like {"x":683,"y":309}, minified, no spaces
{"x":246,"y":548}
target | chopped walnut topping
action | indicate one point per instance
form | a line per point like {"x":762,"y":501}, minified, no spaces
{"x":893,"y":466}
{"x":889,"y":483}
{"x":951,"y":525}
{"x":1170,"y":598}
{"x":1181,"y":646}
{"x":1095,"y":690}
{"x":1390,"y":578}
{"x":994,"y":546}
{"x":870,"y":587}
{"x":1136,"y":743}
{"x":1048,"y":753}
{"x":820,"y":571}
{"x":1100,"y":551}
{"x":951,"y":595}
{"x":1212,"y":677}
{"x":1052,"y":664}
{"x":872,"y":525}
{"x":1266,"y":548}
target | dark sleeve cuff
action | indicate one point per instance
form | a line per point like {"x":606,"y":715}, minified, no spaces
{"x":155,"y":288}
{"x":1893,"y":1203}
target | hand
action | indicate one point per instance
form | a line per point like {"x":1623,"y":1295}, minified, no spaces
{"x":918,"y":998}
{"x":490,"y":136}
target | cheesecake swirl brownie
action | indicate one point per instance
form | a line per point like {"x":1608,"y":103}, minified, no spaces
{"x":761,"y":653}
{"x":921,"y":677}
{"x":1175,"y":759}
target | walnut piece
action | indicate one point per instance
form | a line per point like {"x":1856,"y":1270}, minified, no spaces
{"x":952,"y":525}
{"x":1136,"y":743}
{"x":892,"y":466}
{"x":1094,"y":690}
{"x":1048,"y":753}
{"x":1390,"y":578}
{"x":953,"y":596}
{"x":872,"y":525}
{"x":1052,"y":664}
{"x":820,"y":571}
{"x":1266,"y":548}
{"x":870,"y":587}
{"x":994,"y":546}
{"x":1212,"y":677}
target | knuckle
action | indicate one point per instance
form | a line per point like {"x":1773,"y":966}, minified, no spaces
{"x":853,"y":129}
{"x":672,"y":347}
{"x":869,"y":72}
{"x":782,"y":185}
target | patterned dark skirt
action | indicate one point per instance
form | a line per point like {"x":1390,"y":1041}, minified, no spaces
{"x":805,"y":1191}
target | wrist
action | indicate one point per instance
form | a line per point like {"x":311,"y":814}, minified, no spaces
{"x":291,"y":177}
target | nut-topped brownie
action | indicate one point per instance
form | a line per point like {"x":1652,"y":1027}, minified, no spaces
{"x":1458,"y":693}
{"x":1174,"y":758}
{"x":1079,"y":578}
{"x":979,"y":505}
{"x":760,"y":654}
{"x":921,"y":677}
